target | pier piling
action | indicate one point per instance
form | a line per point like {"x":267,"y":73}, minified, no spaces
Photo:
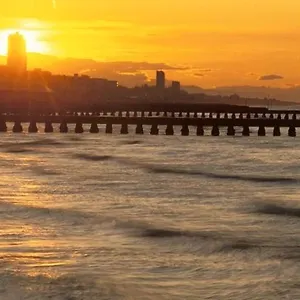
{"x":109,"y":128}
{"x":94,"y":128}
{"x":48,"y":127}
{"x":63,"y":128}
{"x":79,"y":128}
{"x":215,"y":130}
{"x":230,"y":130}
{"x":124,"y":128}
{"x":139,"y":129}
{"x":292,"y":131}
{"x":261,"y":131}
{"x":276,"y":131}
{"x":169,"y":129}
{"x":185,"y":130}
{"x":17,"y":128}
{"x":154,"y":129}
{"x":200,"y":130}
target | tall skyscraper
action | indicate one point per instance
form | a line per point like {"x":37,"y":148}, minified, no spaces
{"x":160,"y":80}
{"x":16,"y":53}
{"x":175,"y":87}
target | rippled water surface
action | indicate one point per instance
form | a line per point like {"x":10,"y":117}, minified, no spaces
{"x":149,"y":217}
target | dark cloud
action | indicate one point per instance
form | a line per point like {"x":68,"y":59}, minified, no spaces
{"x":120,"y":66}
{"x":205,"y":70}
{"x":270,"y":77}
{"x":198,"y":75}
{"x":127,"y":73}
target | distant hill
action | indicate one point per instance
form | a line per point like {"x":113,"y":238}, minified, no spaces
{"x":291,"y":94}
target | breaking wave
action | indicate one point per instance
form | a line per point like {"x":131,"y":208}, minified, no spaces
{"x":257,"y":179}
{"x":277,"y":209}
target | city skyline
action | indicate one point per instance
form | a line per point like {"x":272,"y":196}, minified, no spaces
{"x":204,"y":44}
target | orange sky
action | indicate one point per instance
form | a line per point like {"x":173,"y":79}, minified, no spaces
{"x":222,"y":42}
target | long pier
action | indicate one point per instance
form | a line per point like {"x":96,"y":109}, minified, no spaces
{"x":215,"y":119}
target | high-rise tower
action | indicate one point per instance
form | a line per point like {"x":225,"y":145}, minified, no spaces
{"x":16,"y":53}
{"x":160,"y":80}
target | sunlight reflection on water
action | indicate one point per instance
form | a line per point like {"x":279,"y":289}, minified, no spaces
{"x":98,"y":217}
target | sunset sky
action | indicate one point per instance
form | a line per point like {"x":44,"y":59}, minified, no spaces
{"x":209,"y":43}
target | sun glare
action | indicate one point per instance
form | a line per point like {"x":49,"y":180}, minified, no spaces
{"x":32,"y":38}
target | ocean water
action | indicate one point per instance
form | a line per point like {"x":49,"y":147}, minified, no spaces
{"x":149,"y":217}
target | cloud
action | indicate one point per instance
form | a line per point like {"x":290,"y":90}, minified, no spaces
{"x":198,"y":75}
{"x":205,"y":70}
{"x":270,"y":77}
{"x":128,"y":73}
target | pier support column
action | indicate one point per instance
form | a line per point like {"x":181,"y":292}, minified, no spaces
{"x":124,"y":129}
{"x":165,"y":114}
{"x":230,"y":130}
{"x":17,"y":127}
{"x":261,"y":130}
{"x":150,"y":114}
{"x":127,"y":114}
{"x":292,"y":131}
{"x":139,"y":129}
{"x":169,"y":130}
{"x":200,"y":130}
{"x":246,"y":131}
{"x":180,"y":114}
{"x":173,"y":115}
{"x":157,"y":114}
{"x":279,"y":117}
{"x":195,"y":115}
{"x":185,"y":130}
{"x":78,"y":128}
{"x":48,"y":127}
{"x":154,"y":129}
{"x":226,"y":116}
{"x":109,"y":128}
{"x":94,"y":128}
{"x":203,"y":115}
{"x":143,"y":114}
{"x":248,"y":115}
{"x":271,"y":117}
{"x":135,"y":114}
{"x":3,"y":127}
{"x":276,"y":131}
{"x":215,"y":131}
{"x":63,"y":128}
{"x":32,"y":127}
{"x":120,"y":114}
{"x":286,"y":117}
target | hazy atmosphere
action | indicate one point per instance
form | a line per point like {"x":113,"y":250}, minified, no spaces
{"x":222,"y":43}
{"x":149,"y":150}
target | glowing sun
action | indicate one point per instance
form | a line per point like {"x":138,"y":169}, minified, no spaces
{"x":32,"y":38}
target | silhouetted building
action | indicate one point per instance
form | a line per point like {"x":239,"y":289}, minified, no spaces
{"x":160,"y":80}
{"x":16,"y":53}
{"x":175,"y":87}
